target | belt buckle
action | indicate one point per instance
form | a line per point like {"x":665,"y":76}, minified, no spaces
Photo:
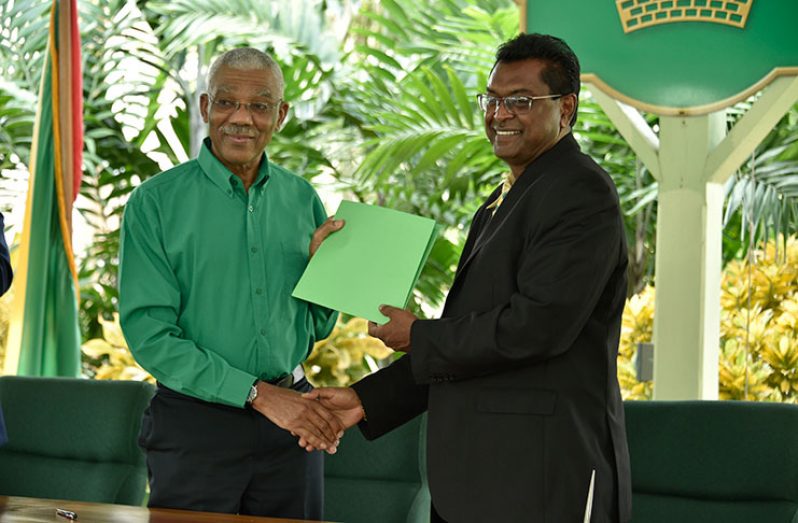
{"x":290,"y":379}
{"x":285,"y":382}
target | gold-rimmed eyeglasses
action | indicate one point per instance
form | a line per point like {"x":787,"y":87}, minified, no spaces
{"x":228,"y":106}
{"x":513,"y":104}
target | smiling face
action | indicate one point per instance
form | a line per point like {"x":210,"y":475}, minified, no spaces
{"x":520,"y":139}
{"x":238,"y":138}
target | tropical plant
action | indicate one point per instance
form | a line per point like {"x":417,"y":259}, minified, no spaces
{"x":116,"y":41}
{"x":637,"y":327}
{"x":346,"y":355}
{"x":759,"y":318}
{"x":762,"y":197}
{"x":4,"y":323}
{"x":23,"y":41}
{"x":108,"y":358}
{"x":759,"y":328}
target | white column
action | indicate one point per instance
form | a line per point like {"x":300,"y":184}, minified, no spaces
{"x":691,"y":159}
{"x":688,"y":260}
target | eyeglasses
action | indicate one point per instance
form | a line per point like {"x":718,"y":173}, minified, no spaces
{"x":227,"y":106}
{"x":513,"y":104}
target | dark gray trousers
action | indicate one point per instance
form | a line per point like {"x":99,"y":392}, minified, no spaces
{"x":214,"y":458}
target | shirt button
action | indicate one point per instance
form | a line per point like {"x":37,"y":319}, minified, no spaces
{"x":254,"y":250}
{"x":263,"y":332}
{"x":258,"y":291}
{"x":251,"y":209}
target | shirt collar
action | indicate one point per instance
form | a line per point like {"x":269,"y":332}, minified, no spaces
{"x":221,"y":175}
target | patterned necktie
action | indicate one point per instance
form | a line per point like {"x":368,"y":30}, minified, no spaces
{"x":509,"y":179}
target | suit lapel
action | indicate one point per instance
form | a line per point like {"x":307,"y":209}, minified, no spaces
{"x":477,"y":236}
{"x":493,"y":224}
{"x":488,"y":226}
{"x":477,"y":229}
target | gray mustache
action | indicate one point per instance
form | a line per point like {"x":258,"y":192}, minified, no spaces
{"x":239,"y":130}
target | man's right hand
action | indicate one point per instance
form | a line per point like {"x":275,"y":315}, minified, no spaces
{"x":315,"y":426}
{"x":344,"y":403}
{"x":329,"y":226}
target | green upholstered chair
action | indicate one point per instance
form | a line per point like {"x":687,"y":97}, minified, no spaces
{"x":73,"y":439}
{"x":713,"y":461}
{"x":381,"y":481}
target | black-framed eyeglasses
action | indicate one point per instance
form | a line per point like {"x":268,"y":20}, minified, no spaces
{"x":227,"y":106}
{"x":513,"y":104}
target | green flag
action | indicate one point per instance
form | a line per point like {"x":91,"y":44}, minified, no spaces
{"x":44,"y":336}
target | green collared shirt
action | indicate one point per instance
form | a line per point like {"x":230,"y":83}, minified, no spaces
{"x":206,"y":275}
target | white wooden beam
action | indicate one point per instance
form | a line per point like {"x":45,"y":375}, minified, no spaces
{"x":751,"y":129}
{"x":633,"y":127}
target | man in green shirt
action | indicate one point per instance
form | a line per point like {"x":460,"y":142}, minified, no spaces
{"x":211,"y":251}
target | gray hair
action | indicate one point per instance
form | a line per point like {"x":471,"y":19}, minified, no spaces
{"x":247,"y":58}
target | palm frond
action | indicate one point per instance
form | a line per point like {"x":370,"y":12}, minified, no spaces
{"x":280,"y":25}
{"x":762,"y":197}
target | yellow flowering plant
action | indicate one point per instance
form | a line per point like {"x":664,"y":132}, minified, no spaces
{"x":758,"y":331}
{"x":108,"y":358}
{"x":346,"y":355}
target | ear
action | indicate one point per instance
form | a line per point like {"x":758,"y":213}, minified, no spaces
{"x":567,"y":109}
{"x":282,"y":113}
{"x":204,"y":106}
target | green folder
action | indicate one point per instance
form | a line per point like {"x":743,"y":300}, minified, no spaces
{"x":375,"y":259}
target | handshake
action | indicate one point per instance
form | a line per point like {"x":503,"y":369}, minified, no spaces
{"x":320,"y":417}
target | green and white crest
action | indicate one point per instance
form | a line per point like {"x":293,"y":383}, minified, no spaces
{"x":675,"y":56}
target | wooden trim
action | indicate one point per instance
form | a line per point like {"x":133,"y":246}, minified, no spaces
{"x":595,"y":80}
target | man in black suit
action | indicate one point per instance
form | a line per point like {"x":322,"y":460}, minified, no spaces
{"x":5,"y":261}
{"x":518,"y":376}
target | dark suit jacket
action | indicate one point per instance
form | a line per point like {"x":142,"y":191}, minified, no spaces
{"x":5,"y":261}
{"x":519,"y":374}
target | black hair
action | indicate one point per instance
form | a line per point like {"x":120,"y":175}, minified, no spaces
{"x":562,"y":71}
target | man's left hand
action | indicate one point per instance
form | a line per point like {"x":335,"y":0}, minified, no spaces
{"x":396,"y":333}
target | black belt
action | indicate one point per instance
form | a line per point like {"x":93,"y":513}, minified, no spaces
{"x":289,"y":380}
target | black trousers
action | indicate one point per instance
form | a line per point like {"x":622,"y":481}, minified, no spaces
{"x":214,"y":458}
{"x":434,"y":517}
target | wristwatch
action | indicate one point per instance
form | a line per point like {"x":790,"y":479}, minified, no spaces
{"x":253,"y":393}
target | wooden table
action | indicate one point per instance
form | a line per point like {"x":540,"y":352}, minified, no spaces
{"x":34,"y":510}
